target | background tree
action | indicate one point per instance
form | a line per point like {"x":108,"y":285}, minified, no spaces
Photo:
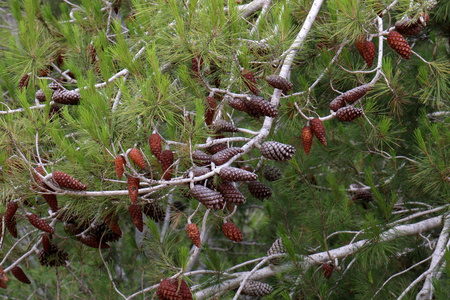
{"x":167,"y":149}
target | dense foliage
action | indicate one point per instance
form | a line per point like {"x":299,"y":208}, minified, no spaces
{"x":112,"y":113}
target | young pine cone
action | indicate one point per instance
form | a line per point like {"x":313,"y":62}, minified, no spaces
{"x":230,"y":193}
{"x":398,"y":43}
{"x":349,"y":113}
{"x":193,"y":234}
{"x":259,"y":190}
{"x":307,"y":137}
{"x":236,"y":174}
{"x":20,"y":275}
{"x":208,"y":197}
{"x":166,"y":160}
{"x":137,"y":157}
{"x":223,"y":156}
{"x":120,"y":165}
{"x":279,"y":82}
{"x":155,"y":142}
{"x":366,"y":49}
{"x":318,"y":130}
{"x":256,"y":289}
{"x":136,"y":216}
{"x":66,"y":181}
{"x":66,"y":97}
{"x":277,"y":151}
{"x":232,"y":232}
{"x":133,"y":188}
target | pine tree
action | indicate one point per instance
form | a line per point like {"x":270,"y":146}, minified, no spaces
{"x":97,"y":92}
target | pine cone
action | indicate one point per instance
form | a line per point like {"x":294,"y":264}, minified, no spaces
{"x":259,"y":190}
{"x":366,"y":49}
{"x":136,"y":216}
{"x":236,"y":174}
{"x":259,"y":107}
{"x":232,"y":232}
{"x":166,"y":160}
{"x":408,"y":27}
{"x":10,"y":211}
{"x":272,"y":173}
{"x":154,"y":211}
{"x":348,"y":113}
{"x":216,"y":148}
{"x":133,"y":188}
{"x":307,"y":137}
{"x":197,"y":171}
{"x":103,"y":234}
{"x":201,"y":158}
{"x":356,"y":93}
{"x":92,"y":241}
{"x":66,"y":181}
{"x":193,"y":234}
{"x":238,"y":104}
{"x":208,"y":197}
{"x":46,"y":243}
{"x":3,"y":276}
{"x":112,"y":222}
{"x":318,"y":130}
{"x":223,"y":156}
{"x":3,"y":284}
{"x":24,"y":81}
{"x":250,"y":81}
{"x":137,"y":157}
{"x":279,"y":82}
{"x":52,"y":201}
{"x":54,"y":86}
{"x":54,"y":257}
{"x":397,"y":42}
{"x":172,"y":289}
{"x":277,"y":151}
{"x":197,"y":63}
{"x":20,"y":275}
{"x":66,"y":97}
{"x":327,"y":270}
{"x":40,"y":223}
{"x":120,"y":165}
{"x":154,"y":142}
{"x":337,"y":103}
{"x":224,"y":126}
{"x":363,"y":197}
{"x":230,"y":193}
{"x":40,"y":95}
{"x":210,"y":110}
{"x":12,"y":226}
{"x":276,"y":248}
{"x":256,"y":289}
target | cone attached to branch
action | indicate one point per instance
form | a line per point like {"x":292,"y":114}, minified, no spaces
{"x":276,"y":248}
{"x":224,"y":126}
{"x":20,"y":275}
{"x":154,"y":211}
{"x":307,"y":137}
{"x":260,"y":107}
{"x":279,"y":82}
{"x":366,"y":49}
{"x":155,"y":141}
{"x":54,"y":257}
{"x":133,"y":188}
{"x":210,"y":110}
{"x":166,"y":160}
{"x":250,"y":81}
{"x":318,"y":130}
{"x":10,"y":211}
{"x":223,"y":156}
{"x":349,"y":113}
{"x":208,"y":197}
{"x":277,"y":151}
{"x":201,"y":158}
{"x":238,"y":104}
{"x":230,"y":193}
{"x":327,"y":270}
{"x":66,"y":97}
{"x":236,"y":174}
{"x":92,"y":241}
{"x":259,"y":190}
{"x":40,"y":223}
{"x":66,"y":181}
{"x":398,"y":43}
{"x":52,"y":201}
{"x":40,"y":95}
{"x":232,"y":232}
{"x":193,"y":234}
{"x":272,"y":173}
{"x":112,"y":222}
{"x":137,"y":157}
{"x":120,"y":165}
{"x":173,"y":289}
{"x":337,"y":103}
{"x":256,"y":289}
{"x":136,"y":216}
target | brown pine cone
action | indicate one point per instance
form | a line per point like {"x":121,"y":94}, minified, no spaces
{"x":318,"y":130}
{"x":46,"y":243}
{"x":3,"y":276}
{"x":40,"y":96}
{"x":277,"y":151}
{"x":238,"y":104}
{"x":166,"y":160}
{"x":276,"y":248}
{"x":397,"y":42}
{"x":133,"y":188}
{"x":327,"y":270}
{"x":356,"y":93}
{"x":12,"y":226}
{"x":408,"y":27}
{"x":337,"y":103}
{"x":272,"y":173}
{"x":154,"y":211}
{"x":40,"y":223}
{"x":210,"y":110}
{"x":230,"y":193}
{"x":92,"y":241}
{"x":216,"y":148}
{"x":155,"y":142}
{"x":54,"y":257}
{"x":208,"y":197}
{"x":197,"y":63}
{"x":102,"y":232}
{"x":66,"y":97}
{"x":250,"y":81}
{"x":307,"y":137}
{"x":348,"y":113}
{"x":260,"y":107}
{"x":366,"y":49}
{"x":201,"y":158}
{"x":24,"y":81}
{"x":256,"y":289}
{"x":193,"y":234}
{"x":66,"y":181}
{"x":20,"y":275}
{"x":236,"y":174}
{"x":10,"y":211}
{"x":52,"y":201}
{"x":172,"y":289}
{"x":223,"y":156}
{"x":112,"y":222}
{"x":136,"y":216}
{"x":137,"y":157}
{"x":224,"y":126}
{"x":232,"y":232}
{"x":259,"y":189}
{"x":279,"y":82}
{"x":120,"y":165}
